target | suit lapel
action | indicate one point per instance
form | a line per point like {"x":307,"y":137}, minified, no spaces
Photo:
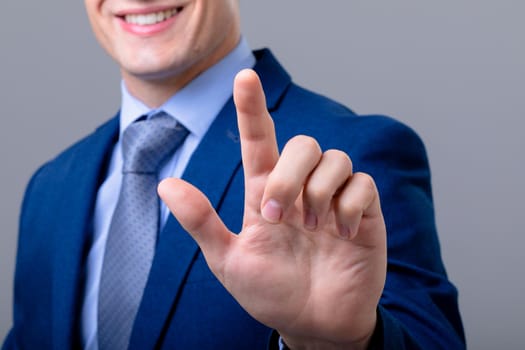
{"x":82,"y":174}
{"x":211,"y":169}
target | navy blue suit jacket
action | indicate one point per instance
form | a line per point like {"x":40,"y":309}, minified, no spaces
{"x":184,"y":306}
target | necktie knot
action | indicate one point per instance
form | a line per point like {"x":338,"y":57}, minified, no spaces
{"x":147,"y":143}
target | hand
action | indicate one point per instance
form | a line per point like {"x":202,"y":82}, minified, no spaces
{"x":310,"y":261}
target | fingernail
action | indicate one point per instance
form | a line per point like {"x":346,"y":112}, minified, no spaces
{"x":310,"y":220}
{"x":272,"y":211}
{"x":344,"y":231}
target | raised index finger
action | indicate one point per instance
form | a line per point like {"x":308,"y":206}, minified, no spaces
{"x":258,"y":143}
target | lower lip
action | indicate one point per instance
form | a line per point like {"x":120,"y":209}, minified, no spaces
{"x":147,"y":30}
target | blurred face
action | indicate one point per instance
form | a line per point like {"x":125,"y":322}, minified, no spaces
{"x":164,"y":41}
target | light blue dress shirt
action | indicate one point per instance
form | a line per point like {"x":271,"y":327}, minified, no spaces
{"x":195,"y":107}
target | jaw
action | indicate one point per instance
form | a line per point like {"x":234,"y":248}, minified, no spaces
{"x":162,"y":47}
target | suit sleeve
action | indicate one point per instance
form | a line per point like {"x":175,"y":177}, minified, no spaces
{"x":9,"y":342}
{"x":27,"y":298}
{"x":418,"y":308}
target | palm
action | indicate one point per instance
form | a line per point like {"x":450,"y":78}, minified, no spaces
{"x":289,"y":278}
{"x":306,"y":282}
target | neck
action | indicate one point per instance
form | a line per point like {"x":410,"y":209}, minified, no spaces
{"x":153,"y":91}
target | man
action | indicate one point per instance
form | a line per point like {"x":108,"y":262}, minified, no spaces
{"x":308,"y":267}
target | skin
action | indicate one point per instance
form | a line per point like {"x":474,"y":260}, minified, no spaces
{"x":278,"y":245}
{"x":154,"y":67}
{"x":309,"y":221}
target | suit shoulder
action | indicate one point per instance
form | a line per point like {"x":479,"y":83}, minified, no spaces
{"x":313,"y":103}
{"x":312,"y":113}
{"x":381,"y":127}
{"x":307,"y":101}
{"x":102,"y":134}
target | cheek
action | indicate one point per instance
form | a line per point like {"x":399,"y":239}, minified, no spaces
{"x":99,"y":20}
{"x":102,"y":37}
{"x":103,"y":33}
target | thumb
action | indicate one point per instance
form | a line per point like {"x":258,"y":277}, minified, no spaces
{"x":196,"y":214}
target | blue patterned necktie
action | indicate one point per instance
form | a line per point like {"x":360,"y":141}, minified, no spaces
{"x":133,"y":232}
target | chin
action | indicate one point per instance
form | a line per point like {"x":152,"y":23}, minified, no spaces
{"x":153,"y":73}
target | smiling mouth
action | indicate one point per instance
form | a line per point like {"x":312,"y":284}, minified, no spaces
{"x":151,"y":18}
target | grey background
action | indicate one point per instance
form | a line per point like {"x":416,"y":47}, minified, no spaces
{"x":453,"y":70}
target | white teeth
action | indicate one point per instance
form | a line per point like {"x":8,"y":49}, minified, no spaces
{"x":150,"y":18}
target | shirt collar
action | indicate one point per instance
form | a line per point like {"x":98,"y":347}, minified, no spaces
{"x":198,"y":103}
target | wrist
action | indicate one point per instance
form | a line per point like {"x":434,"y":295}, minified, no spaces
{"x":316,"y":344}
{"x":363,"y":342}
